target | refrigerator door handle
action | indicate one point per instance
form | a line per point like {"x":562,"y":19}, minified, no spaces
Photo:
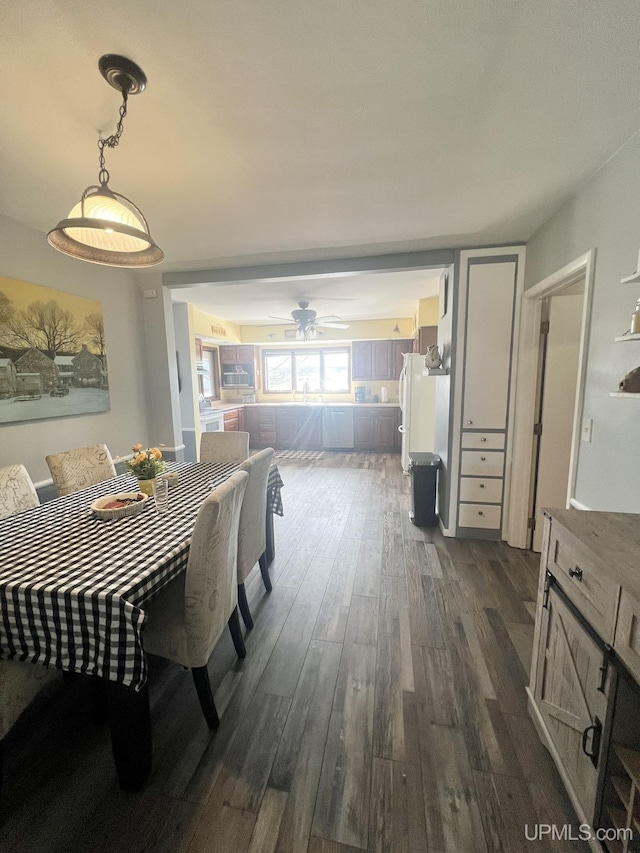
{"x":402,"y":429}
{"x":401,"y":382}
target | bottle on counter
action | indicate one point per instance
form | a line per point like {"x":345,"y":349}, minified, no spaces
{"x":384,"y":394}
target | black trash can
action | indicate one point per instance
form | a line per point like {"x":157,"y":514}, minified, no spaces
{"x":423,"y":468}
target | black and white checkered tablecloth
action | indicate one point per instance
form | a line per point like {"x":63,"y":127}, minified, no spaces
{"x":72,"y":588}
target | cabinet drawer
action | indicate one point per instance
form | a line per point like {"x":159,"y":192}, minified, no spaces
{"x":479,"y":515}
{"x":584,"y":579}
{"x":479,"y":464}
{"x":483,"y":440}
{"x":481,"y":490}
{"x":627,"y":641}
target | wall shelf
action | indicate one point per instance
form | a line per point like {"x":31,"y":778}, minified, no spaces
{"x":631,"y":279}
{"x":622,"y":394}
{"x":621,"y":338}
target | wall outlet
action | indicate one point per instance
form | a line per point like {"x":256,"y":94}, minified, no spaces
{"x":587,"y":427}
{"x":150,"y":294}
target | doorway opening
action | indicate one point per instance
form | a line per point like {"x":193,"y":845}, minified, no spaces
{"x":552,"y":366}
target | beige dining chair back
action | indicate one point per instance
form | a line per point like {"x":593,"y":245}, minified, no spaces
{"x":252,"y":540}
{"x":20,"y":681}
{"x":228,"y":447}
{"x":17,"y":491}
{"x":78,"y":469}
{"x":186,"y":619}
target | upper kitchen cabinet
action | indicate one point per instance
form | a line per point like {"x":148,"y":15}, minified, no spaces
{"x":240,"y":366}
{"x":378,"y":359}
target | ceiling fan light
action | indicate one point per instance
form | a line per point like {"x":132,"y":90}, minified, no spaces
{"x":106,"y":228}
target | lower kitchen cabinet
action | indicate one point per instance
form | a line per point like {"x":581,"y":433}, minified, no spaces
{"x":260,"y":423}
{"x":233,"y":420}
{"x":376,"y":429}
{"x":298,"y":428}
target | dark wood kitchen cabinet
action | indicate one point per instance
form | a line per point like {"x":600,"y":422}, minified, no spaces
{"x":298,"y":428}
{"x":378,"y":360}
{"x":376,"y":429}
{"x":260,"y":423}
{"x":233,"y":420}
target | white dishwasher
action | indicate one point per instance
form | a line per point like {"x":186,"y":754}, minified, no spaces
{"x":337,"y":428}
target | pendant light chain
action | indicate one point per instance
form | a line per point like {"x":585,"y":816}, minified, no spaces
{"x":111,"y":141}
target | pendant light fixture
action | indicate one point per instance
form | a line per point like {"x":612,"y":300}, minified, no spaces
{"x":106,"y":227}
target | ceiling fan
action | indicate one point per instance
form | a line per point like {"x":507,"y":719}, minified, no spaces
{"x":307,"y":321}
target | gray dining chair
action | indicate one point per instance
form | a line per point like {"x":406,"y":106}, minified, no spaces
{"x":252,"y":540}
{"x":78,"y":469}
{"x":224,"y":446}
{"x":20,"y":681}
{"x":188,"y":616}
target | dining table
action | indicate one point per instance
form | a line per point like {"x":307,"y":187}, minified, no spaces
{"x":73,"y":590}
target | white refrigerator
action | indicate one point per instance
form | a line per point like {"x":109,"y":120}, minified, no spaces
{"x":417,"y":395}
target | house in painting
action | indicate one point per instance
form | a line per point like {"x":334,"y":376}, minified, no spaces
{"x":7,"y":377}
{"x":66,"y":371}
{"x":36,"y":362}
{"x":88,"y":369}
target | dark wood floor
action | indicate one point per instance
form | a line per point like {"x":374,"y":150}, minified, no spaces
{"x":381,"y":705}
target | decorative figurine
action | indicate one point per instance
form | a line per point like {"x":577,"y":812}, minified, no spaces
{"x":631,"y":382}
{"x":432,"y":359}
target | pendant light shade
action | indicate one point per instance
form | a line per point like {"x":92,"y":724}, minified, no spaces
{"x":106,"y":227}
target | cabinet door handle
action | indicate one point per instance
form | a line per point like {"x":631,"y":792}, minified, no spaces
{"x":469,"y":422}
{"x":481,"y":485}
{"x":483,"y":438}
{"x":483,"y":458}
{"x":480,"y":512}
{"x":576,"y":573}
{"x":596,"y":734}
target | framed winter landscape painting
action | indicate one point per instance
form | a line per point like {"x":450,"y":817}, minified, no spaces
{"x":53,"y":360}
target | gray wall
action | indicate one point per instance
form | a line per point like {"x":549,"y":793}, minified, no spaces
{"x":25,"y":255}
{"x":604,"y":215}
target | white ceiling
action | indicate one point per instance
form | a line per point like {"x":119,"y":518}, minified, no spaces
{"x":288,"y":129}
{"x":361,"y":297}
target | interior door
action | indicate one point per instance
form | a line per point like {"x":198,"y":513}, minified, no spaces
{"x":569,"y":697}
{"x":559,"y":381}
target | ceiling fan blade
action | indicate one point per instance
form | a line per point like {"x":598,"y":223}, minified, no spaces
{"x":331,"y":318}
{"x":332,"y":325}
{"x":284,"y":319}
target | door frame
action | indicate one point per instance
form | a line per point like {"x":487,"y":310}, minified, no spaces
{"x":518,"y":532}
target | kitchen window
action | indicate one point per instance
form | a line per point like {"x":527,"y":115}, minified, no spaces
{"x":209,"y":374}
{"x":318,"y":371}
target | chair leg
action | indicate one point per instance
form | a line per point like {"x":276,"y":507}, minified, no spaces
{"x":264,"y":571}
{"x":99,"y":701}
{"x":243,"y":604}
{"x":236,"y":633}
{"x":203,"y":688}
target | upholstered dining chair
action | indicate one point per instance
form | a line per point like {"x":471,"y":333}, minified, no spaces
{"x":78,"y":469}
{"x":20,"y":681}
{"x":17,"y":492}
{"x":252,"y":541}
{"x":224,"y":446}
{"x":186,"y":619}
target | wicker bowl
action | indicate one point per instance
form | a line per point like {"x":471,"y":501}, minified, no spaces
{"x":98,"y":506}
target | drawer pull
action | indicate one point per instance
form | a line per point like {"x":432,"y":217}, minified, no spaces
{"x":596,"y":732}
{"x":483,"y":438}
{"x":480,"y":512}
{"x":483,"y":458}
{"x":576,"y":573}
{"x":469,"y":422}
{"x":481,"y":485}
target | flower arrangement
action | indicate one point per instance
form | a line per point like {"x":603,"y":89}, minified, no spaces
{"x":146,"y":464}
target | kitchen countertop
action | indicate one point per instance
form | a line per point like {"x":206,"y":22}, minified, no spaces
{"x":225,"y":407}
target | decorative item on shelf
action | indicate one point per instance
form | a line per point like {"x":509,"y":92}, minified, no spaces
{"x":146,"y":465}
{"x":433,"y":359}
{"x":635,"y":320}
{"x":106,"y":227}
{"x":631,"y":382}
